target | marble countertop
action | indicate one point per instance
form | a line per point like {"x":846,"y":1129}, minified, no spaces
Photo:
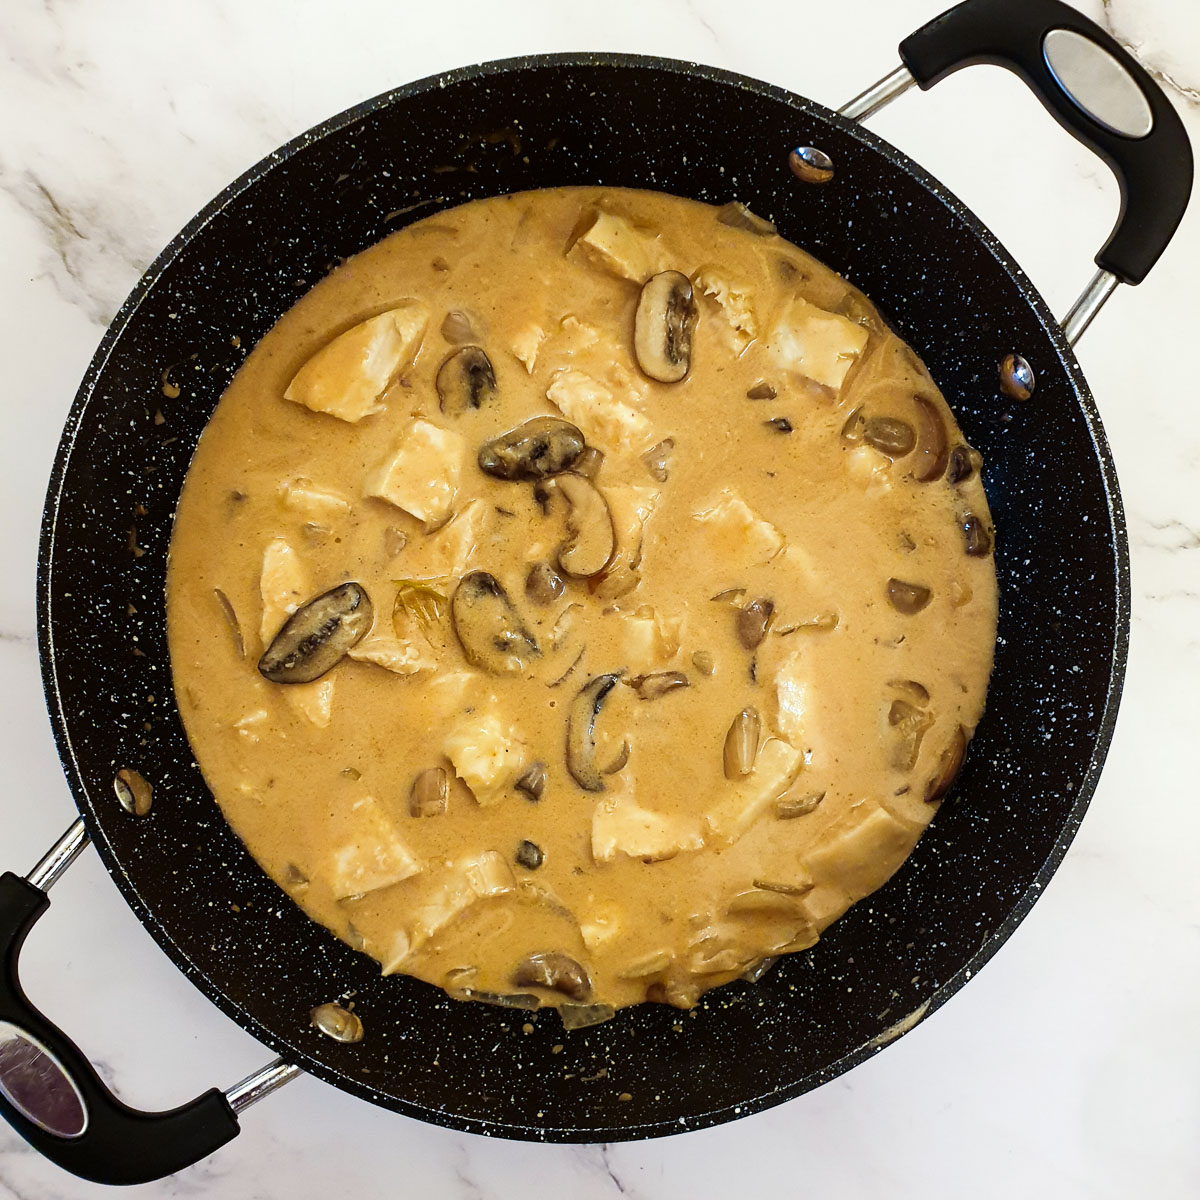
{"x":1068,"y":1067}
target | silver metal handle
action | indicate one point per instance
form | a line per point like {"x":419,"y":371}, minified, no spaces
{"x":1102,"y":285}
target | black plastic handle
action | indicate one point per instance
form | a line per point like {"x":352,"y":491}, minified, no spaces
{"x":1154,"y":171}
{"x":118,"y":1144}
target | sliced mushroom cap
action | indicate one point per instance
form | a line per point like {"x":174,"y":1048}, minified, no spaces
{"x":588,"y":464}
{"x":963,"y":463}
{"x":581,"y":731}
{"x":760,"y":391}
{"x":658,"y":460}
{"x":555,"y":971}
{"x":429,"y":793}
{"x":316,"y":637}
{"x":543,"y":584}
{"x":583,"y":1016}
{"x":976,"y":537}
{"x":889,"y":435}
{"x":532,"y":783}
{"x":663,"y":326}
{"x":910,"y":723}
{"x":789,"y":807}
{"x":741,"y":744}
{"x":753,"y":621}
{"x":907,"y":598}
{"x":529,"y":855}
{"x":337,"y":1022}
{"x":539,"y":447}
{"x":933,"y":451}
{"x":466,"y":381}
{"x":652,"y":687}
{"x":591,"y":538}
{"x":491,"y":632}
{"x":948,"y":767}
{"x":736,"y":215}
{"x":459,"y":327}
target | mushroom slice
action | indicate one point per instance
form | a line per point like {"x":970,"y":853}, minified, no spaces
{"x":490,"y":630}
{"x":543,"y":584}
{"x":581,"y":1016}
{"x":907,"y":598}
{"x":933,"y":451}
{"x":317,"y":636}
{"x":651,"y":687}
{"x":658,"y":459}
{"x":741,"y":744}
{"x":591,"y":538}
{"x":529,"y":855}
{"x":948,"y":767}
{"x":541,"y":446}
{"x":532,"y":783}
{"x":459,"y":327}
{"x":429,"y":794}
{"x":736,"y":215}
{"x":555,"y":971}
{"x":963,"y":463}
{"x":465,"y":381}
{"x":581,"y":731}
{"x":752,"y":622}
{"x":663,"y":326}
{"x":975,"y":534}
{"x":889,"y":435}
{"x":911,"y":723}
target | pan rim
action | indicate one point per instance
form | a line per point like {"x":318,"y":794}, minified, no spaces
{"x":83,"y":798}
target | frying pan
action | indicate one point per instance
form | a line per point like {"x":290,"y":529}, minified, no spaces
{"x":948,"y":287}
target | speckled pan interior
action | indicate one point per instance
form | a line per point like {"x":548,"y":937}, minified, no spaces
{"x":950,"y":290}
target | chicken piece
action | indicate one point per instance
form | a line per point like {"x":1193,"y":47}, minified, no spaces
{"x":311,"y":701}
{"x":346,"y":377}
{"x":600,"y":925}
{"x":526,"y":344}
{"x":820,"y":345}
{"x":737,"y":536}
{"x":283,"y":586}
{"x":734,"y":302}
{"x":774,"y":772}
{"x":399,"y":657}
{"x":449,"y":551}
{"x":486,"y":754}
{"x":614,"y":245}
{"x":372,"y":857}
{"x":621,"y":826}
{"x":423,"y":475}
{"x":450,"y":892}
{"x":314,"y":503}
{"x":648,"y":641}
{"x":607,"y":423}
{"x":862,"y":850}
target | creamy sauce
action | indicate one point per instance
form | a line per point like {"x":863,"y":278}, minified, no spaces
{"x":838,"y":517}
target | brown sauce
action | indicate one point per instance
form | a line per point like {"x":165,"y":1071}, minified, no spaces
{"x":742,"y":768}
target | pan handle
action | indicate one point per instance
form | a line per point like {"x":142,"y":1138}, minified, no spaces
{"x":51,"y":1095}
{"x":1095,"y":89}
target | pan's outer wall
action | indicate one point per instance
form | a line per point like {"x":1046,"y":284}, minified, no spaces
{"x":950,"y":290}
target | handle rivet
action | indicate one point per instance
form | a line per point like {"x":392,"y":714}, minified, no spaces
{"x":337,"y":1022}
{"x":1016,"y":377}
{"x":133,"y":791}
{"x":811,"y":165}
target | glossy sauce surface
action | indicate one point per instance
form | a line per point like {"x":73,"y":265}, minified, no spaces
{"x":805,"y":471}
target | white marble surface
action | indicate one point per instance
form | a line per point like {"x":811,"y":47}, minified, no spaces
{"x":1069,"y":1067}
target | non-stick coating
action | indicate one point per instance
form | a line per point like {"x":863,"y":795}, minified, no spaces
{"x":949,"y":289}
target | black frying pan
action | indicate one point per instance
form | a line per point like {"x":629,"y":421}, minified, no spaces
{"x":950,"y":289}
